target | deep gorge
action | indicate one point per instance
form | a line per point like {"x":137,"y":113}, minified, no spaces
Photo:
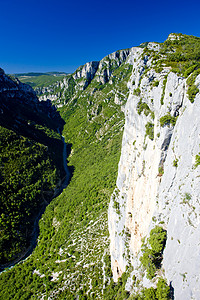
{"x":127,"y":224}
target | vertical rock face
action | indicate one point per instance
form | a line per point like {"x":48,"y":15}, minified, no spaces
{"x":87,"y":71}
{"x":179,"y":204}
{"x":137,"y":180}
{"x":109,"y":63}
{"x":158,"y":182}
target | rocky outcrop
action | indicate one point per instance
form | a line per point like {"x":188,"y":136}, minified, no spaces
{"x":87,"y":71}
{"x":109,"y":63}
{"x":79,"y":80}
{"x":158,"y":182}
{"x":82,"y":77}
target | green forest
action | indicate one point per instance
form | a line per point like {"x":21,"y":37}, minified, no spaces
{"x":27,"y":180}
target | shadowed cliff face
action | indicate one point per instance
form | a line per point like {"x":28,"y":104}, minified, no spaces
{"x":31,"y":165}
{"x":19,"y":107}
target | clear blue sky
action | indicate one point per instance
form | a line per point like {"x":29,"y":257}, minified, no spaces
{"x":58,"y":35}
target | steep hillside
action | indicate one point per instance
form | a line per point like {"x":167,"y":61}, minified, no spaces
{"x":31,"y":167}
{"x":151,"y":230}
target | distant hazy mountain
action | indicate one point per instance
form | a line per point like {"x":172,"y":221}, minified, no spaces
{"x":40,"y":79}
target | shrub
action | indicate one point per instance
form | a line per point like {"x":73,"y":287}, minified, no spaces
{"x":192,"y":91}
{"x":197,"y":160}
{"x":142,"y":106}
{"x":163,"y":290}
{"x":163,"y":90}
{"x":175,"y":162}
{"x":150,"y":130}
{"x":148,"y":261}
{"x":188,"y":196}
{"x":153,"y":115}
{"x":151,"y":258}
{"x":157,"y":239}
{"x":190,"y":70}
{"x":192,"y":88}
{"x":161,"y":170}
{"x":137,"y":92}
{"x":150,"y":294}
{"x":156,"y":83}
{"x":116,"y":206}
{"x":167,"y":120}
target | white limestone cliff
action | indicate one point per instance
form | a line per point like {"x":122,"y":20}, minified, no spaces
{"x":144,"y":196}
{"x":87,"y":71}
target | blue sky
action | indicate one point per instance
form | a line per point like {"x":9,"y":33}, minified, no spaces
{"x":58,"y":35}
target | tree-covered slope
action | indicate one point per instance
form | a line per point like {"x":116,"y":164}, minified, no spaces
{"x":73,"y":231}
{"x":31,"y":165}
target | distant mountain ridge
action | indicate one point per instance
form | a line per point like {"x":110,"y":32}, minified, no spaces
{"x":39,"y":79}
{"x":39,"y":74}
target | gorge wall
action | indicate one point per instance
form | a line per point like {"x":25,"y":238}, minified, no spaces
{"x":31,"y":166}
{"x":158,"y":178}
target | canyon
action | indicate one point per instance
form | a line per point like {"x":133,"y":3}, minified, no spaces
{"x":127,"y":225}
